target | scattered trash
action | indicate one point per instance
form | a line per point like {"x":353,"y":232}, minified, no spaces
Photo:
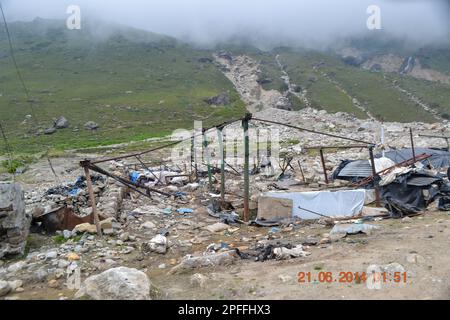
{"x":285,"y":253}
{"x":270,"y":252}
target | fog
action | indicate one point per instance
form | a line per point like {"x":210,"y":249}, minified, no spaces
{"x":263,"y":22}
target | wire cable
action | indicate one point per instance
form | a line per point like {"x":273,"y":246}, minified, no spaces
{"x":19,"y":75}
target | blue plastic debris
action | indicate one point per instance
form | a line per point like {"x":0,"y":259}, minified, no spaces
{"x":274,"y":230}
{"x":180,"y":194}
{"x":74,"y":192}
{"x":134,"y":176}
{"x":185,"y":210}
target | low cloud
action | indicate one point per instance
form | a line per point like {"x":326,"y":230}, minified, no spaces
{"x":267,"y":22}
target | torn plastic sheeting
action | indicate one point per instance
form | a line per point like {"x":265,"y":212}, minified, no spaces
{"x":347,"y":203}
{"x":439,"y":158}
{"x":444,"y":203}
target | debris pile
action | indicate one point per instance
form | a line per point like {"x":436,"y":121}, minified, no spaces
{"x":14,"y":220}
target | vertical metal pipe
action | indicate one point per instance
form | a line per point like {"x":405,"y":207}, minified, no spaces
{"x":208,"y":159}
{"x":374,"y":173}
{"x":246,"y":168}
{"x":222,"y":163}
{"x":324,"y":166}
{"x":412,"y":144}
{"x":92,"y":198}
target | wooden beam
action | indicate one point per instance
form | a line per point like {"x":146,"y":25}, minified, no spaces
{"x":92,"y":198}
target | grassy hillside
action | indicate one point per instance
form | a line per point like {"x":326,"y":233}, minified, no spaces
{"x":134,"y":84}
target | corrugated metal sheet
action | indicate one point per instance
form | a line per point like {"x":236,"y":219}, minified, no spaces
{"x":359,"y":168}
{"x":422,"y":181}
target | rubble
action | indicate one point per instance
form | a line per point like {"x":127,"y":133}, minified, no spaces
{"x":209,"y":260}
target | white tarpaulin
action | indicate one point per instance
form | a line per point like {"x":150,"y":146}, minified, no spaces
{"x":345,"y":203}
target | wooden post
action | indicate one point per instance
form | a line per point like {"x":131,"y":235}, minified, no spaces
{"x":246,"y":168}
{"x":222,"y":163}
{"x":301,"y":171}
{"x":374,"y":173}
{"x":324,"y":166}
{"x":412,"y":144}
{"x":92,"y":198}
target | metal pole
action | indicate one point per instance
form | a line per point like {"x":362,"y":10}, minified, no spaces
{"x":412,"y":144}
{"x":222,"y":163}
{"x":92,"y":198}
{"x":246,"y":168}
{"x":374,"y":173}
{"x":323,"y":166}
{"x":208,"y":159}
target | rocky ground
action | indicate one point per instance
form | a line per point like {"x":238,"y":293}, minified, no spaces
{"x":415,"y":245}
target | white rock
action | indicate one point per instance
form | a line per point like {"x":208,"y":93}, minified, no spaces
{"x":16,"y":266}
{"x":5,"y":288}
{"x":217,"y":227}
{"x":117,"y":284}
{"x":415,"y":258}
{"x":51,"y":255}
{"x":148,"y":225}
{"x":198,"y":280}
{"x":15,"y":284}
{"x":67,"y":234}
{"x":285,"y":278}
{"x":158,"y":244}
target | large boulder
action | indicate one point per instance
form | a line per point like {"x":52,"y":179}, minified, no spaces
{"x":61,"y":123}
{"x":14,"y":221}
{"x":91,"y":125}
{"x":117,"y":284}
{"x":284,"y":104}
{"x":223,"y":99}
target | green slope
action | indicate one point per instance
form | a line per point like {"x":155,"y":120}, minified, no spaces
{"x":134,"y":84}
{"x":373,"y":90}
